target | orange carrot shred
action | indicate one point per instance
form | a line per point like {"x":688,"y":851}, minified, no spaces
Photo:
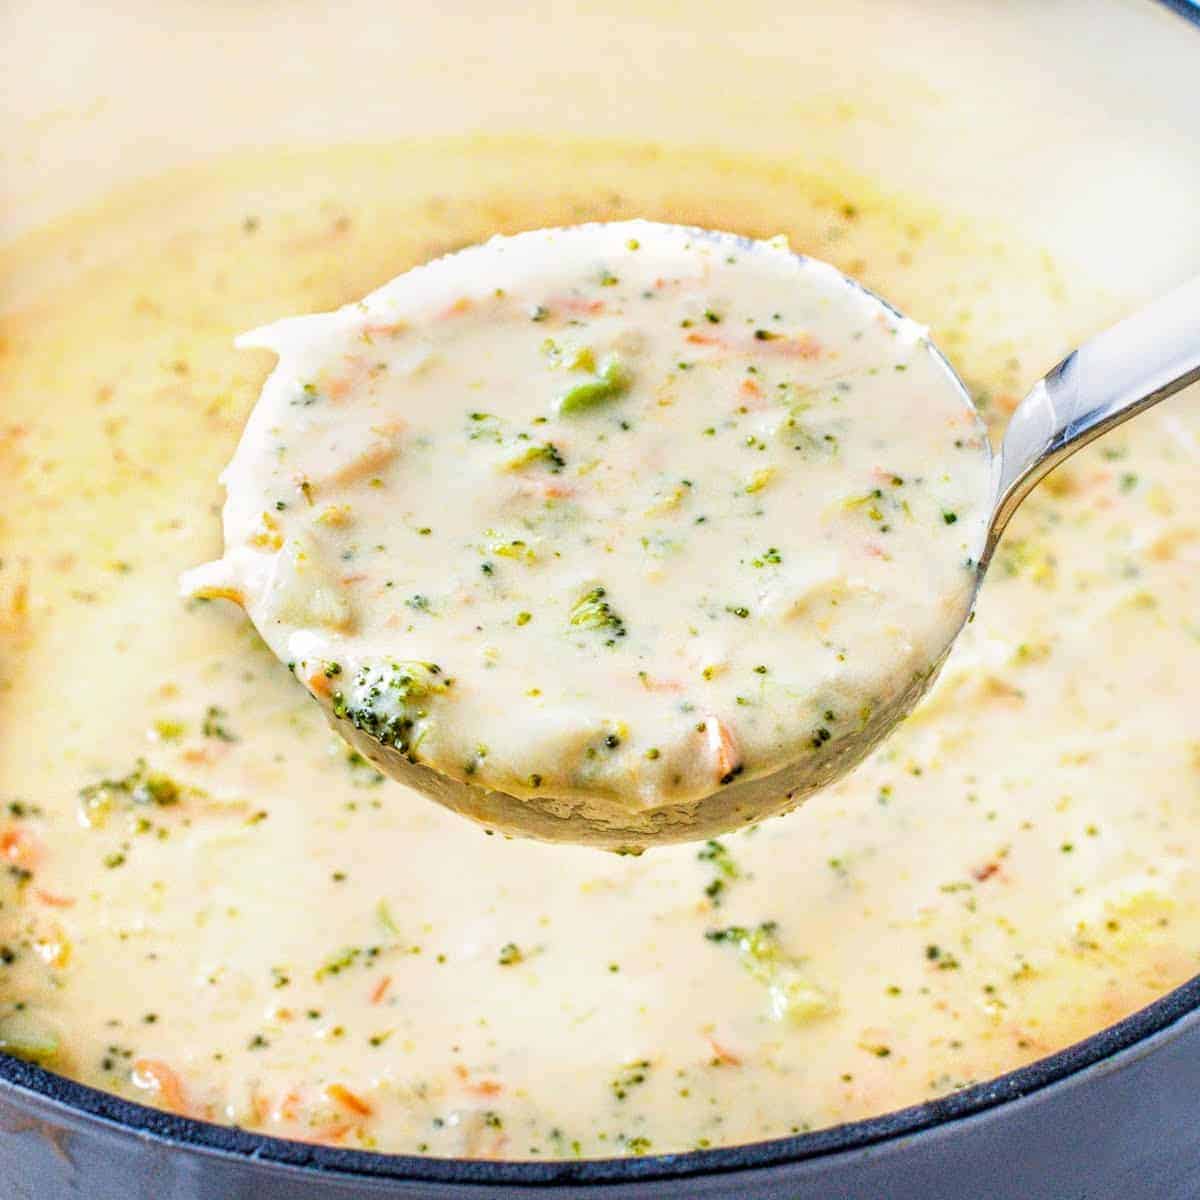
{"x":20,"y":847}
{"x":347,"y":1099}
{"x":156,"y":1076}
{"x":723,"y":1055}
{"x":485,"y":1087}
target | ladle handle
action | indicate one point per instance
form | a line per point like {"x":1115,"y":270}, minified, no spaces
{"x":1113,"y":377}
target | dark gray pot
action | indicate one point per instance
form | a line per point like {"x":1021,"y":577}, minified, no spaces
{"x":1116,"y":1117}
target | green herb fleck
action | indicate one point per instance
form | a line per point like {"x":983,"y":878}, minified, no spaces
{"x":214,"y":725}
{"x":510,"y":954}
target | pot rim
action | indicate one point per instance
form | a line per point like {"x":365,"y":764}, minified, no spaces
{"x":34,"y":1083}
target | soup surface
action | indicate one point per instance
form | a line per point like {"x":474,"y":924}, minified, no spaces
{"x":635,"y":534}
{"x":210,"y":905}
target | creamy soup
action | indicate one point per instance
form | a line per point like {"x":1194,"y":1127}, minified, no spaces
{"x":210,"y":905}
{"x":598,"y":522}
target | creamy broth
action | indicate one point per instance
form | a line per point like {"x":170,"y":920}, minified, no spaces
{"x":598,"y":522}
{"x":244,"y":923}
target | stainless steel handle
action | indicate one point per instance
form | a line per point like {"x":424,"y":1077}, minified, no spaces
{"x":1115,"y":376}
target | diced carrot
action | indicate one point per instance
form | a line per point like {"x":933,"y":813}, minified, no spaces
{"x":320,"y":684}
{"x":750,"y":388}
{"x":347,"y":1099}
{"x":154,"y":1075}
{"x":380,"y":989}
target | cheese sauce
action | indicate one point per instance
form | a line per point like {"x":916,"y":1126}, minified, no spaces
{"x":608,"y":519}
{"x":210,"y":905}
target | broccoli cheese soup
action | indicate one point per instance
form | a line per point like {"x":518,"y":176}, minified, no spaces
{"x":635,"y":532}
{"x":210,"y":904}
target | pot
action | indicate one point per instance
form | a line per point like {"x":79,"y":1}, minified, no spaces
{"x":1065,"y":121}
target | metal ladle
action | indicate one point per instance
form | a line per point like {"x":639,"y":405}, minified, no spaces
{"x":1118,"y":374}
{"x":1109,"y":379}
{"x":1114,"y":376}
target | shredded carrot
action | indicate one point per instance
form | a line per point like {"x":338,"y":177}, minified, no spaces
{"x":979,"y":874}
{"x":577,"y":304}
{"x":331,"y":1133}
{"x":380,"y":989}
{"x":457,"y":309}
{"x":724,"y":748}
{"x":724,"y":1055}
{"x":804,"y":346}
{"x":53,"y":900}
{"x":20,"y":847}
{"x":375,"y":456}
{"x":319,"y":684}
{"x":154,"y":1075}
{"x":661,"y":685}
{"x":387,"y":329}
{"x":485,"y":1087}
{"x":544,"y":488}
{"x":751,"y":388}
{"x":347,"y":1099}
{"x":289,"y":1105}
{"x":494,"y":1149}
